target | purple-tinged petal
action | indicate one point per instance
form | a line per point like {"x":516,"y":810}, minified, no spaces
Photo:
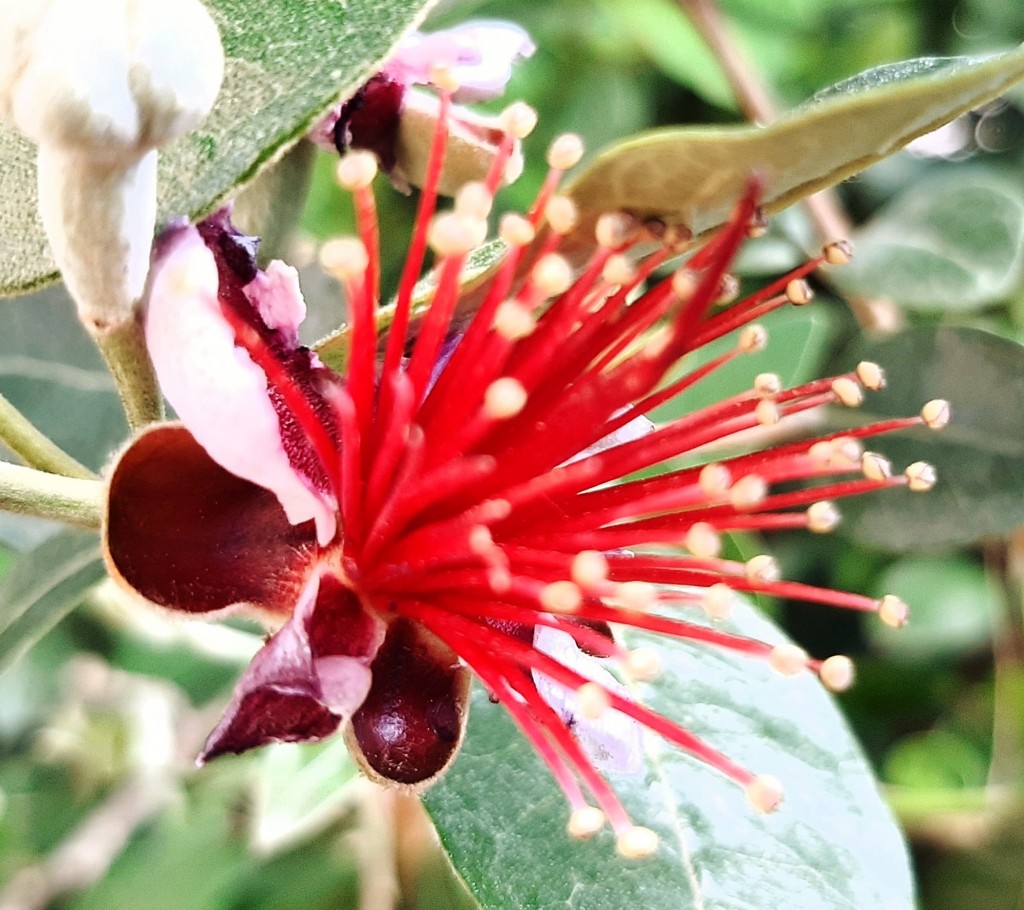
{"x":613,"y":741}
{"x":188,"y":535}
{"x":219,"y":393}
{"x":479,"y":54}
{"x":410,"y":726}
{"x":294,"y":692}
{"x":278,"y":299}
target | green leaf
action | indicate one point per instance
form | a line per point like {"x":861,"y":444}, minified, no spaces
{"x":832,"y":844}
{"x":979,"y":456}
{"x":44,"y":586}
{"x":954,"y":242}
{"x":287,"y":62}
{"x":693,"y":176}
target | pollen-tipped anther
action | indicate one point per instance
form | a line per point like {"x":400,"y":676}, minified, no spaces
{"x":936,"y":414}
{"x":356,"y":171}
{"x":643,"y":664}
{"x":585,"y":822}
{"x":714,"y":479}
{"x":837,"y":672}
{"x":561,"y":214}
{"x":519,"y":119}
{"x":614,"y":230}
{"x":684,"y":283}
{"x":921,"y":476}
{"x":763,"y":568}
{"x":728,"y":290}
{"x":618,"y":270}
{"x":764,"y":793}
{"x":513,"y":321}
{"x":474,"y":200}
{"x":703,"y":541}
{"x":593,"y":700}
{"x":893,"y":611}
{"x":344,"y":257}
{"x":767,"y":384}
{"x":636,"y":595}
{"x":561,"y":597}
{"x":636,"y":843}
{"x":455,"y":234}
{"x":443,"y":77}
{"x":871,"y":375}
{"x":719,"y":601}
{"x":848,"y":392}
{"x":748,"y":491}
{"x":565,"y":152}
{"x":788,"y":659}
{"x":767,"y":413}
{"x":504,"y":398}
{"x":515,"y":230}
{"x":839,"y":252}
{"x":552,"y":274}
{"x":798,"y":292}
{"x":753,"y":338}
{"x":589,"y":569}
{"x":875,"y":466}
{"x":823,"y":516}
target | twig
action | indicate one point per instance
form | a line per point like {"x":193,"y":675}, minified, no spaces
{"x":36,"y":449}
{"x":123,"y":347}
{"x":71,"y":500}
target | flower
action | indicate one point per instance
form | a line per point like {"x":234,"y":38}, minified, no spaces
{"x":463,"y":503}
{"x":385,"y":116}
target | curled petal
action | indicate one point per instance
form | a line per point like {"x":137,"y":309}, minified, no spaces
{"x":219,"y":393}
{"x":612,"y":741}
{"x":410,"y":726}
{"x":188,"y":535}
{"x":293,"y":691}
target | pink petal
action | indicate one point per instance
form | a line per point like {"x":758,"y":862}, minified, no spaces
{"x":219,"y":393}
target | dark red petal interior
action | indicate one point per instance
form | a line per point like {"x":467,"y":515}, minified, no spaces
{"x":410,"y":726}
{"x":186,"y":534}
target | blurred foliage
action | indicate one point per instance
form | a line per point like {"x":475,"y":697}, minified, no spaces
{"x":112,"y":706}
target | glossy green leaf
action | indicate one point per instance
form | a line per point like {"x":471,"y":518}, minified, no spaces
{"x":693,"y":176}
{"x":832,"y":844}
{"x":45,"y":584}
{"x":287,"y":61}
{"x":979,"y":456}
{"x":950,"y":243}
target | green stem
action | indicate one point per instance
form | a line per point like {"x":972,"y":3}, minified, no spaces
{"x":123,"y":346}
{"x":71,"y":500}
{"x":36,"y":449}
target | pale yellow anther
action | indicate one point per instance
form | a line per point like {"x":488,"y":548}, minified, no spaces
{"x":473,"y":200}
{"x":643,"y":664}
{"x":893,"y":611}
{"x":823,"y":516}
{"x":614,"y":230}
{"x":758,"y":226}
{"x":714,"y":479}
{"x":921,"y":476}
{"x":788,"y":659}
{"x":585,"y":822}
{"x":875,"y":467}
{"x":763,"y":568}
{"x":636,"y":595}
{"x":767,"y":384}
{"x":636,"y":843}
{"x":442,"y":76}
{"x":684,"y":283}
{"x":764,"y":793}
{"x":561,"y":597}
{"x":767,"y":413}
{"x":748,"y":491}
{"x":798,"y":292}
{"x":753,"y":338}
{"x":618,"y":270}
{"x":719,"y":601}
{"x":821,"y":451}
{"x":455,"y":234}
{"x":703,"y":541}
{"x":728,"y":290}
{"x":837,"y":672}
{"x":936,"y":414}
{"x":344,"y":257}
{"x":552,"y":274}
{"x":499,"y":579}
{"x":838,"y":252}
{"x":504,"y":398}
{"x":848,"y":392}
{"x":356,"y":171}
{"x":565,"y":152}
{"x":561,"y":214}
{"x":480,"y":540}
{"x":519,"y":119}
{"x":515,"y":230}
{"x":871,"y":375}
{"x":589,"y":569}
{"x":513,"y":321}
{"x":846,"y":452}
{"x":593,"y":700}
